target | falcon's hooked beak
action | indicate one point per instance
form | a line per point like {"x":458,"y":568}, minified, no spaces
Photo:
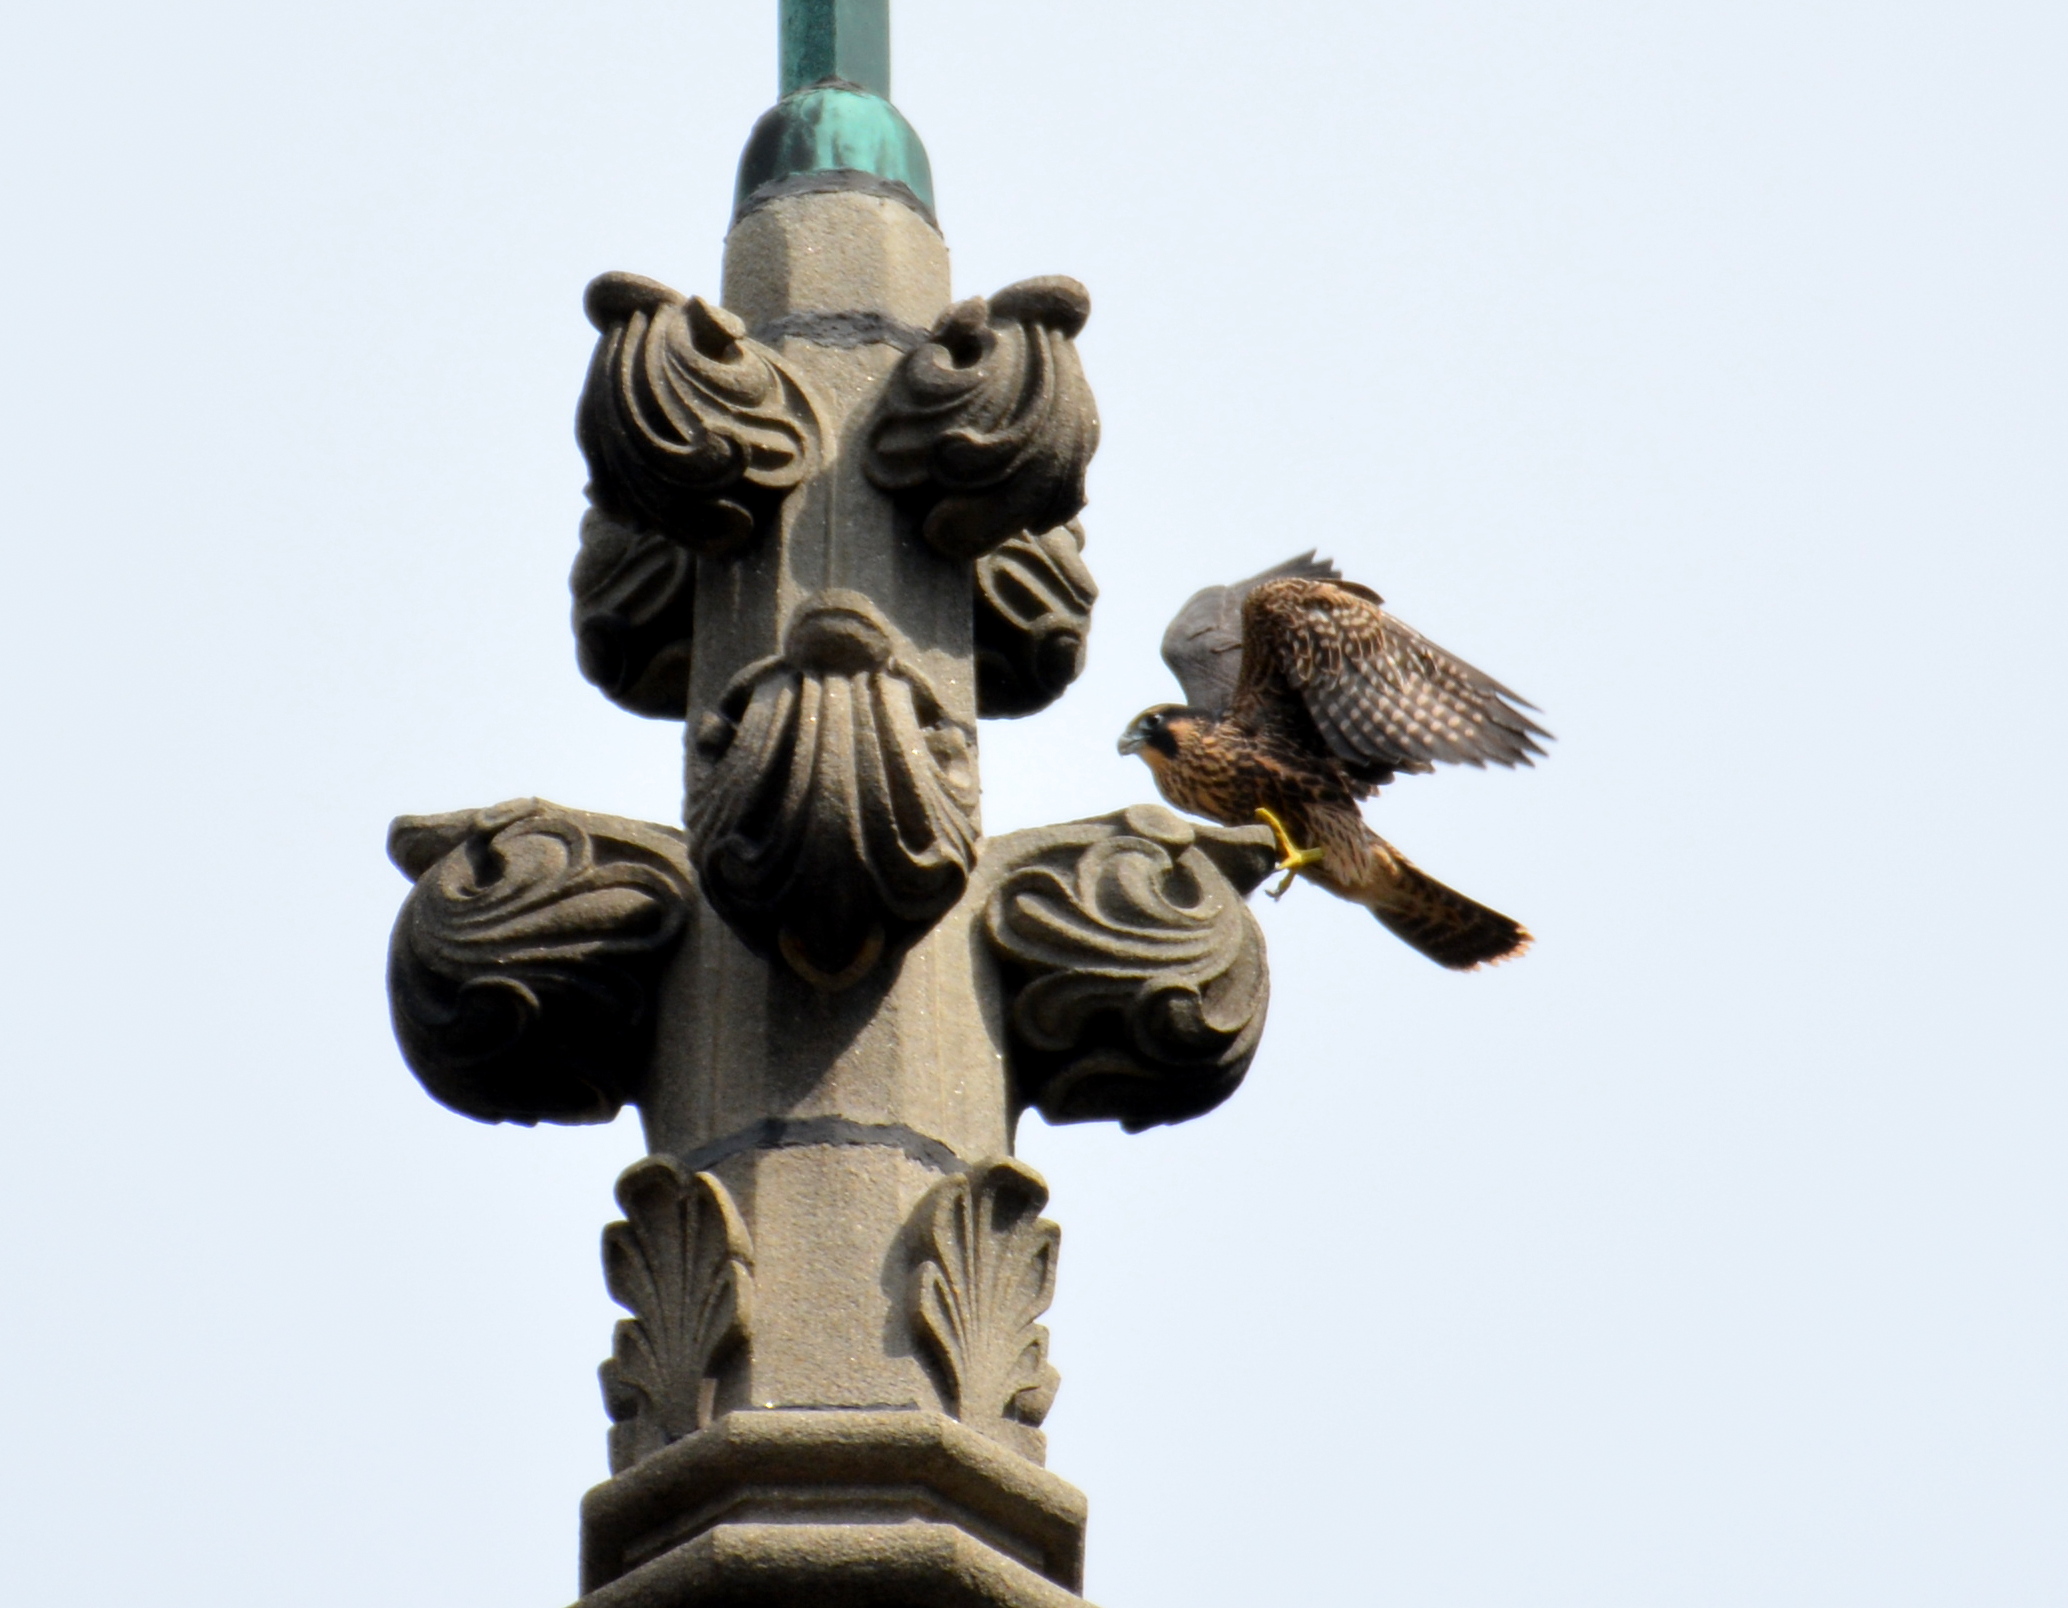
{"x":1151,"y":729}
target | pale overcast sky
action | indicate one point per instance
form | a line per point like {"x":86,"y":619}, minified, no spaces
{"x":1696,"y":367}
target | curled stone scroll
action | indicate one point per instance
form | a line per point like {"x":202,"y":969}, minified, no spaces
{"x":1033,"y":615}
{"x":986,"y":1271}
{"x":986,"y":430}
{"x":522,"y":970}
{"x":691,"y":428}
{"x":839,"y":818}
{"x":1136,"y":982}
{"x":682,"y":1263}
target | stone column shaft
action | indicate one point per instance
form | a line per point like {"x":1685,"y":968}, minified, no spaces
{"x":840,"y":1109}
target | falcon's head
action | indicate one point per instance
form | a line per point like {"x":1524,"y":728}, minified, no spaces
{"x":1157,"y":734}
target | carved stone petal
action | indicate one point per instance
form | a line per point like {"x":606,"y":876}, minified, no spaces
{"x":691,"y":428}
{"x":1135,"y":975}
{"x":1033,"y":616}
{"x":986,"y":1271}
{"x":839,"y":820}
{"x":987,"y":429}
{"x":634,"y":612}
{"x":522,"y":970}
{"x":682,"y":1264}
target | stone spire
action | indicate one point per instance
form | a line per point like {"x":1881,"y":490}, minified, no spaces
{"x":832,"y":526}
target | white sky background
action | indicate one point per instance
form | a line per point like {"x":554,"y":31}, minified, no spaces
{"x":1697,"y":367}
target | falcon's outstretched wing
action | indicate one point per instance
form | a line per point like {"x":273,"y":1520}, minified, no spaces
{"x":1203,"y":645}
{"x":1383,"y":696}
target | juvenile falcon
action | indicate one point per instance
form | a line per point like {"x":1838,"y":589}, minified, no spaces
{"x":1304,"y":696}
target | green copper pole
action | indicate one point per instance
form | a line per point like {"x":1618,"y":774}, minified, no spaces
{"x":835,"y":125}
{"x":848,"y":39}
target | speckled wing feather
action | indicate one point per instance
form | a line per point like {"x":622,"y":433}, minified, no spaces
{"x":1203,"y":645}
{"x":1382,"y":696}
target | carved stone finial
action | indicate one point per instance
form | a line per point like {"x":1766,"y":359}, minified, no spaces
{"x":986,"y":1272}
{"x":1136,"y":980}
{"x":987,"y":429}
{"x":523,"y":964}
{"x":1033,"y":616}
{"x":682,"y":1263}
{"x":690,"y":427}
{"x":829,"y":546}
{"x":839,"y":817}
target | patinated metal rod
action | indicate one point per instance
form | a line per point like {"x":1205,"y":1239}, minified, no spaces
{"x":846,"y":39}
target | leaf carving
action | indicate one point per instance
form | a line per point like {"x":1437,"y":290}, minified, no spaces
{"x":1136,"y":977}
{"x":634,"y":612}
{"x":986,"y":1272}
{"x":682,"y":1263}
{"x":690,"y":427}
{"x":986,"y":430}
{"x":839,"y":817}
{"x":522,"y":970}
{"x":1033,"y":614}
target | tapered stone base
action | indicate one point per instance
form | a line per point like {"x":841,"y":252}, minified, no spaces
{"x":833,"y":1566}
{"x":846,"y":1509}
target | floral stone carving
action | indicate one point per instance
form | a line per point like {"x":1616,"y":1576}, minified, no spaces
{"x":682,"y":1263}
{"x":1136,"y":982}
{"x":522,"y":970}
{"x":1033,"y":616}
{"x":634,"y":615}
{"x":691,"y":428}
{"x":838,"y":819}
{"x":986,"y":1271}
{"x":986,"y":430}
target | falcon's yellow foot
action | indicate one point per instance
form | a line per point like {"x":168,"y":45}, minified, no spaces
{"x":1296,"y":860}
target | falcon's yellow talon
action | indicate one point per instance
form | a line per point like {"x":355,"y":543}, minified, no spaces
{"x":1296,"y":859}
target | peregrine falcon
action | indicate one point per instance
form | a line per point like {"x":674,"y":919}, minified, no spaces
{"x":1305,"y":696}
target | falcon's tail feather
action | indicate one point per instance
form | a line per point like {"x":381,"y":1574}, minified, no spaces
{"x":1451,"y":929}
{"x":1441,"y":922}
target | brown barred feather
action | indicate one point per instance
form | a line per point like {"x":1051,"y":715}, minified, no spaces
{"x":1441,"y":922}
{"x":1382,"y":697}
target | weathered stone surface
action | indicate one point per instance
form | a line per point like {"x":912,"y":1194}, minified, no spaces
{"x":986,"y":1271}
{"x":776,"y":615}
{"x":634,"y":615}
{"x":838,"y":819}
{"x":851,"y":1563}
{"x":787,"y":1507}
{"x":1136,"y":983}
{"x":830,"y":1324}
{"x":916,"y":1049}
{"x":1033,"y":619}
{"x":691,"y":427}
{"x":836,"y":252}
{"x":682,"y":1263}
{"x":987,"y":428}
{"x":522,"y":970}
